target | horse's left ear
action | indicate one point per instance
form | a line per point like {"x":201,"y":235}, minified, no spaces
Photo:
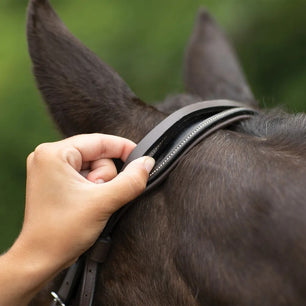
{"x":212,"y":70}
{"x":83,"y":94}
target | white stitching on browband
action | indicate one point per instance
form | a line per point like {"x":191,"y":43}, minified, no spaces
{"x":195,"y":131}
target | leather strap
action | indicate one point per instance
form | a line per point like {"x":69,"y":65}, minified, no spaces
{"x":68,"y":285}
{"x":166,"y":143}
{"x":96,"y":255}
{"x":88,"y":282}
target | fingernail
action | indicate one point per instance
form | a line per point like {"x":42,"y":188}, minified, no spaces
{"x":149,"y":164}
{"x":99,"y":181}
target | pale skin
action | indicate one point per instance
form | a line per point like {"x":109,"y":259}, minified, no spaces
{"x":65,"y":212}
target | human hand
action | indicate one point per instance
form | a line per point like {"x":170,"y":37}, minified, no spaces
{"x":65,"y":212}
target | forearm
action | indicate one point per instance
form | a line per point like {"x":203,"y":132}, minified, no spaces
{"x":21,"y":276}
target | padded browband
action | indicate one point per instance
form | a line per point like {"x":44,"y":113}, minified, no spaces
{"x":183,"y":129}
{"x":166,"y":143}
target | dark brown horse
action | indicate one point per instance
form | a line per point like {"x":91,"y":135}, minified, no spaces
{"x":228,"y":226}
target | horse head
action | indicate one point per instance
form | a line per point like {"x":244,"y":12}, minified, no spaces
{"x":228,"y":225}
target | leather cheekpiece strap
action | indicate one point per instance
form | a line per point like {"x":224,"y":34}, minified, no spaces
{"x":95,"y":256}
{"x":68,"y":285}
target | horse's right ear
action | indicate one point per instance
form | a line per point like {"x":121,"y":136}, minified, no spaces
{"x":83,"y":94}
{"x":212,"y":70}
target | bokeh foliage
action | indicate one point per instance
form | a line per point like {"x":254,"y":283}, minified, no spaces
{"x":144,"y":41}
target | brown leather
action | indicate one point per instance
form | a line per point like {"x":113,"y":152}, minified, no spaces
{"x":195,"y":122}
{"x":95,"y":256}
{"x":217,"y":127}
{"x":88,"y":282}
{"x":99,"y":251}
{"x":203,"y":109}
{"x":70,"y":281}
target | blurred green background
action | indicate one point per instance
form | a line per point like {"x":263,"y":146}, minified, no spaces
{"x":144,"y":41}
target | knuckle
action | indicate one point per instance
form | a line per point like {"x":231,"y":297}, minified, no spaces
{"x":42,"y":149}
{"x":72,"y":156}
{"x":43,"y":152}
{"x":66,"y":152}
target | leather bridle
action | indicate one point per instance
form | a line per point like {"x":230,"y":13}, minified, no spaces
{"x":166,"y":143}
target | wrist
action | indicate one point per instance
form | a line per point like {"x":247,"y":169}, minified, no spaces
{"x":23,"y":273}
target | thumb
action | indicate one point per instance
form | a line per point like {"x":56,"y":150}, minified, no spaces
{"x":131,"y":182}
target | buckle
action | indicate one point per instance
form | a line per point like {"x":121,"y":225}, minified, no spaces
{"x":57,"y":299}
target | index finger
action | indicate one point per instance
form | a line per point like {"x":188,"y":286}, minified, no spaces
{"x":96,"y":146}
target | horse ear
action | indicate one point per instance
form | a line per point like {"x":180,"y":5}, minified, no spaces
{"x":83,"y":94}
{"x":211,"y":67}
